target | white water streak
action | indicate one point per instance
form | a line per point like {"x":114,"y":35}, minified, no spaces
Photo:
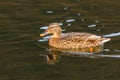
{"x":110,"y":56}
{"x":112,"y":35}
{"x":44,"y":27}
{"x":70,"y":20}
{"x":92,"y":25}
{"x":44,"y":39}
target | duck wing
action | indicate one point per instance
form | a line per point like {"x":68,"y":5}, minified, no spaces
{"x":76,"y":36}
{"x":83,"y":39}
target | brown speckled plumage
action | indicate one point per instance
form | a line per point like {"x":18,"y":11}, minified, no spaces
{"x":72,"y":40}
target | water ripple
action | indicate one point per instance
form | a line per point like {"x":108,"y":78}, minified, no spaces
{"x":49,"y":12}
{"x":92,"y":25}
{"x":79,"y":14}
{"x":117,"y":50}
{"x":66,"y":8}
{"x":70,"y":20}
{"x":44,"y":27}
{"x":44,"y":39}
{"x":112,"y":35}
{"x":68,"y":24}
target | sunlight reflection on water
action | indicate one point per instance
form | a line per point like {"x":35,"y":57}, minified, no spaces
{"x":70,"y":20}
{"x":49,"y":12}
{"x":44,"y":27}
{"x":66,"y":8}
{"x":112,"y":34}
{"x":117,"y":50}
{"x":92,"y":25}
{"x":44,"y":39}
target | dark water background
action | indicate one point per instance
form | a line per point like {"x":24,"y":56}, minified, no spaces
{"x":20,"y":22}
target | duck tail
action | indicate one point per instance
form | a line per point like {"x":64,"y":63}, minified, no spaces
{"x":105,"y":40}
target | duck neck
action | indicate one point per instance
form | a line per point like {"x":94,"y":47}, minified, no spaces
{"x":56,"y":35}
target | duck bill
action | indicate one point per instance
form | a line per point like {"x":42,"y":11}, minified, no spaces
{"x":43,"y":34}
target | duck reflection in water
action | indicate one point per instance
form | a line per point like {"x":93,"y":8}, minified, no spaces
{"x":51,"y":58}
{"x":55,"y":54}
{"x":75,"y":42}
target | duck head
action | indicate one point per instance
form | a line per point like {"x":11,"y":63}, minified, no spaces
{"x":54,"y":29}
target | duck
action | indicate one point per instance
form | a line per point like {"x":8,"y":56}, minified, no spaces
{"x":72,"y":40}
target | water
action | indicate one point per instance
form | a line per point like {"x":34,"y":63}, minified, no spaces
{"x":23,"y":56}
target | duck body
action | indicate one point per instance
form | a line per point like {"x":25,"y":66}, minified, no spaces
{"x":73,"y":40}
{"x":76,"y":40}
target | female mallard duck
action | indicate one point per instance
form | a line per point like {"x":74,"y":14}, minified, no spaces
{"x":72,"y":40}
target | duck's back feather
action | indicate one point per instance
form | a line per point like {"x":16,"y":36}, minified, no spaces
{"x":76,"y":40}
